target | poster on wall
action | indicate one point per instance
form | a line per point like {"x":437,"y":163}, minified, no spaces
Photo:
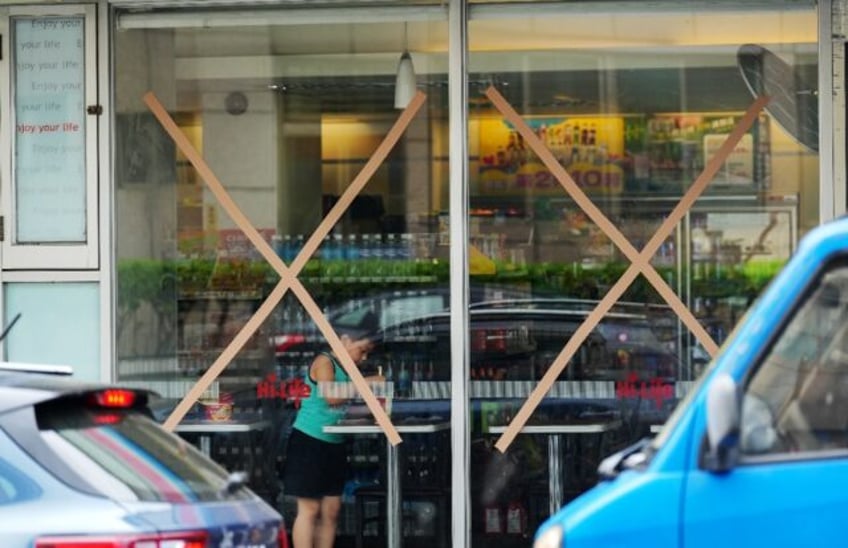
{"x":764,"y":235}
{"x":742,"y":236}
{"x":738,"y":169}
{"x":589,"y":148}
{"x":675,"y":148}
{"x":49,"y":138}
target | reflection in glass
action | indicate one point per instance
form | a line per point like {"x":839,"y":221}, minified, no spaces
{"x":632,"y":107}
{"x":288,"y":117}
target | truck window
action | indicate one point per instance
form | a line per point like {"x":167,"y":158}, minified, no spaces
{"x":797,"y":400}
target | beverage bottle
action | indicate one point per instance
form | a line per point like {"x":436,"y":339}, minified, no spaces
{"x":378,"y":253}
{"x":403,"y":387}
{"x":277,"y":244}
{"x":365,"y":254}
{"x":352,"y":250}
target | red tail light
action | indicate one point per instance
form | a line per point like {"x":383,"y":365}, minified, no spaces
{"x":115,"y":398}
{"x":108,"y":419}
{"x":170,"y":540}
{"x":76,"y":543}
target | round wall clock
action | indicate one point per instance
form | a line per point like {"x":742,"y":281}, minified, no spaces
{"x":236,"y":103}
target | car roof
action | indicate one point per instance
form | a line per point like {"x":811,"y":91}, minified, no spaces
{"x":574,"y":306}
{"x":21,"y":389}
{"x":504,"y":313}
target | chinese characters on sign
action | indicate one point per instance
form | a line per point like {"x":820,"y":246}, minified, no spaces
{"x":655,"y":390}
{"x":291,"y":390}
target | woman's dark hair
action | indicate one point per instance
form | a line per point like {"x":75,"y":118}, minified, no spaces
{"x":359,"y":326}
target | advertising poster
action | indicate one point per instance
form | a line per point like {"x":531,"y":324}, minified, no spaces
{"x":589,"y":148}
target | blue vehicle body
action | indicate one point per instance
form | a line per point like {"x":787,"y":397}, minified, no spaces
{"x":668,"y":497}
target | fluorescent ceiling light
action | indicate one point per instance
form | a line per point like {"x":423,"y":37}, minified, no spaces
{"x":633,"y":7}
{"x":267,"y":17}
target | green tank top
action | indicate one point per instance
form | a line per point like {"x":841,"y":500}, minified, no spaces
{"x":315,"y":413}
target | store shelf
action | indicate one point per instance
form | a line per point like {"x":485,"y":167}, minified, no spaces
{"x":369,"y":279}
{"x":221,"y":295}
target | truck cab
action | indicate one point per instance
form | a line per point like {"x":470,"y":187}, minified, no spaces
{"x":756,"y":454}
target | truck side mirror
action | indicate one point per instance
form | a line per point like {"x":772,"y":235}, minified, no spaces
{"x":722,"y":444}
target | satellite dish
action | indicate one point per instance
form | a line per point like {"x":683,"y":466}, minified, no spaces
{"x":794,"y":100}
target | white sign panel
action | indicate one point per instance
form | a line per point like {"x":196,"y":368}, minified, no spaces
{"x":49,"y":162}
{"x":738,"y":169}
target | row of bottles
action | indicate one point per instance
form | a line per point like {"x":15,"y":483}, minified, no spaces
{"x":401,"y":371}
{"x":405,"y":369}
{"x":365,"y":257}
{"x":355,"y":247}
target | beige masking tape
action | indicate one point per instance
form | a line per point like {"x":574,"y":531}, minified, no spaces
{"x":640,"y":261}
{"x":288,"y":275}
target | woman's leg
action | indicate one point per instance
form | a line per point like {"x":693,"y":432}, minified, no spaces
{"x":303,"y":529}
{"x":326,"y":531}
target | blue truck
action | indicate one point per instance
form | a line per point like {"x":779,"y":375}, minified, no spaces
{"x":756,"y":454}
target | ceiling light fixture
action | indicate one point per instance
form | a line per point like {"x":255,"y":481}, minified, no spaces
{"x":405,"y":79}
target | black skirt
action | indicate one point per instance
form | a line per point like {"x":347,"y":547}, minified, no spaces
{"x":314,"y":468}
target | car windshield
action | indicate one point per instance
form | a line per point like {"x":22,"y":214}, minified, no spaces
{"x":129,"y":457}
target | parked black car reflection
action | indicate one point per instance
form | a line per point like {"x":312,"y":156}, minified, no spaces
{"x":518,"y":339}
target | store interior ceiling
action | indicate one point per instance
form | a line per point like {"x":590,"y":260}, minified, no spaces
{"x":595,"y":62}
{"x":634,"y":91}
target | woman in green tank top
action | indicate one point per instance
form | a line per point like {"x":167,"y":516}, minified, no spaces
{"x":315,"y":471}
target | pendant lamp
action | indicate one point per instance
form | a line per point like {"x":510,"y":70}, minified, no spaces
{"x":405,"y":79}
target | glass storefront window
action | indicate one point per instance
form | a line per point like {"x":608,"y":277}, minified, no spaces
{"x":587,"y":130}
{"x":628,"y":107}
{"x":289,"y":118}
{"x":68,"y":311}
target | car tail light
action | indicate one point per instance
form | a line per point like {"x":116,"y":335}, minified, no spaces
{"x":108,"y":419}
{"x":169,"y":540}
{"x":115,"y":398}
